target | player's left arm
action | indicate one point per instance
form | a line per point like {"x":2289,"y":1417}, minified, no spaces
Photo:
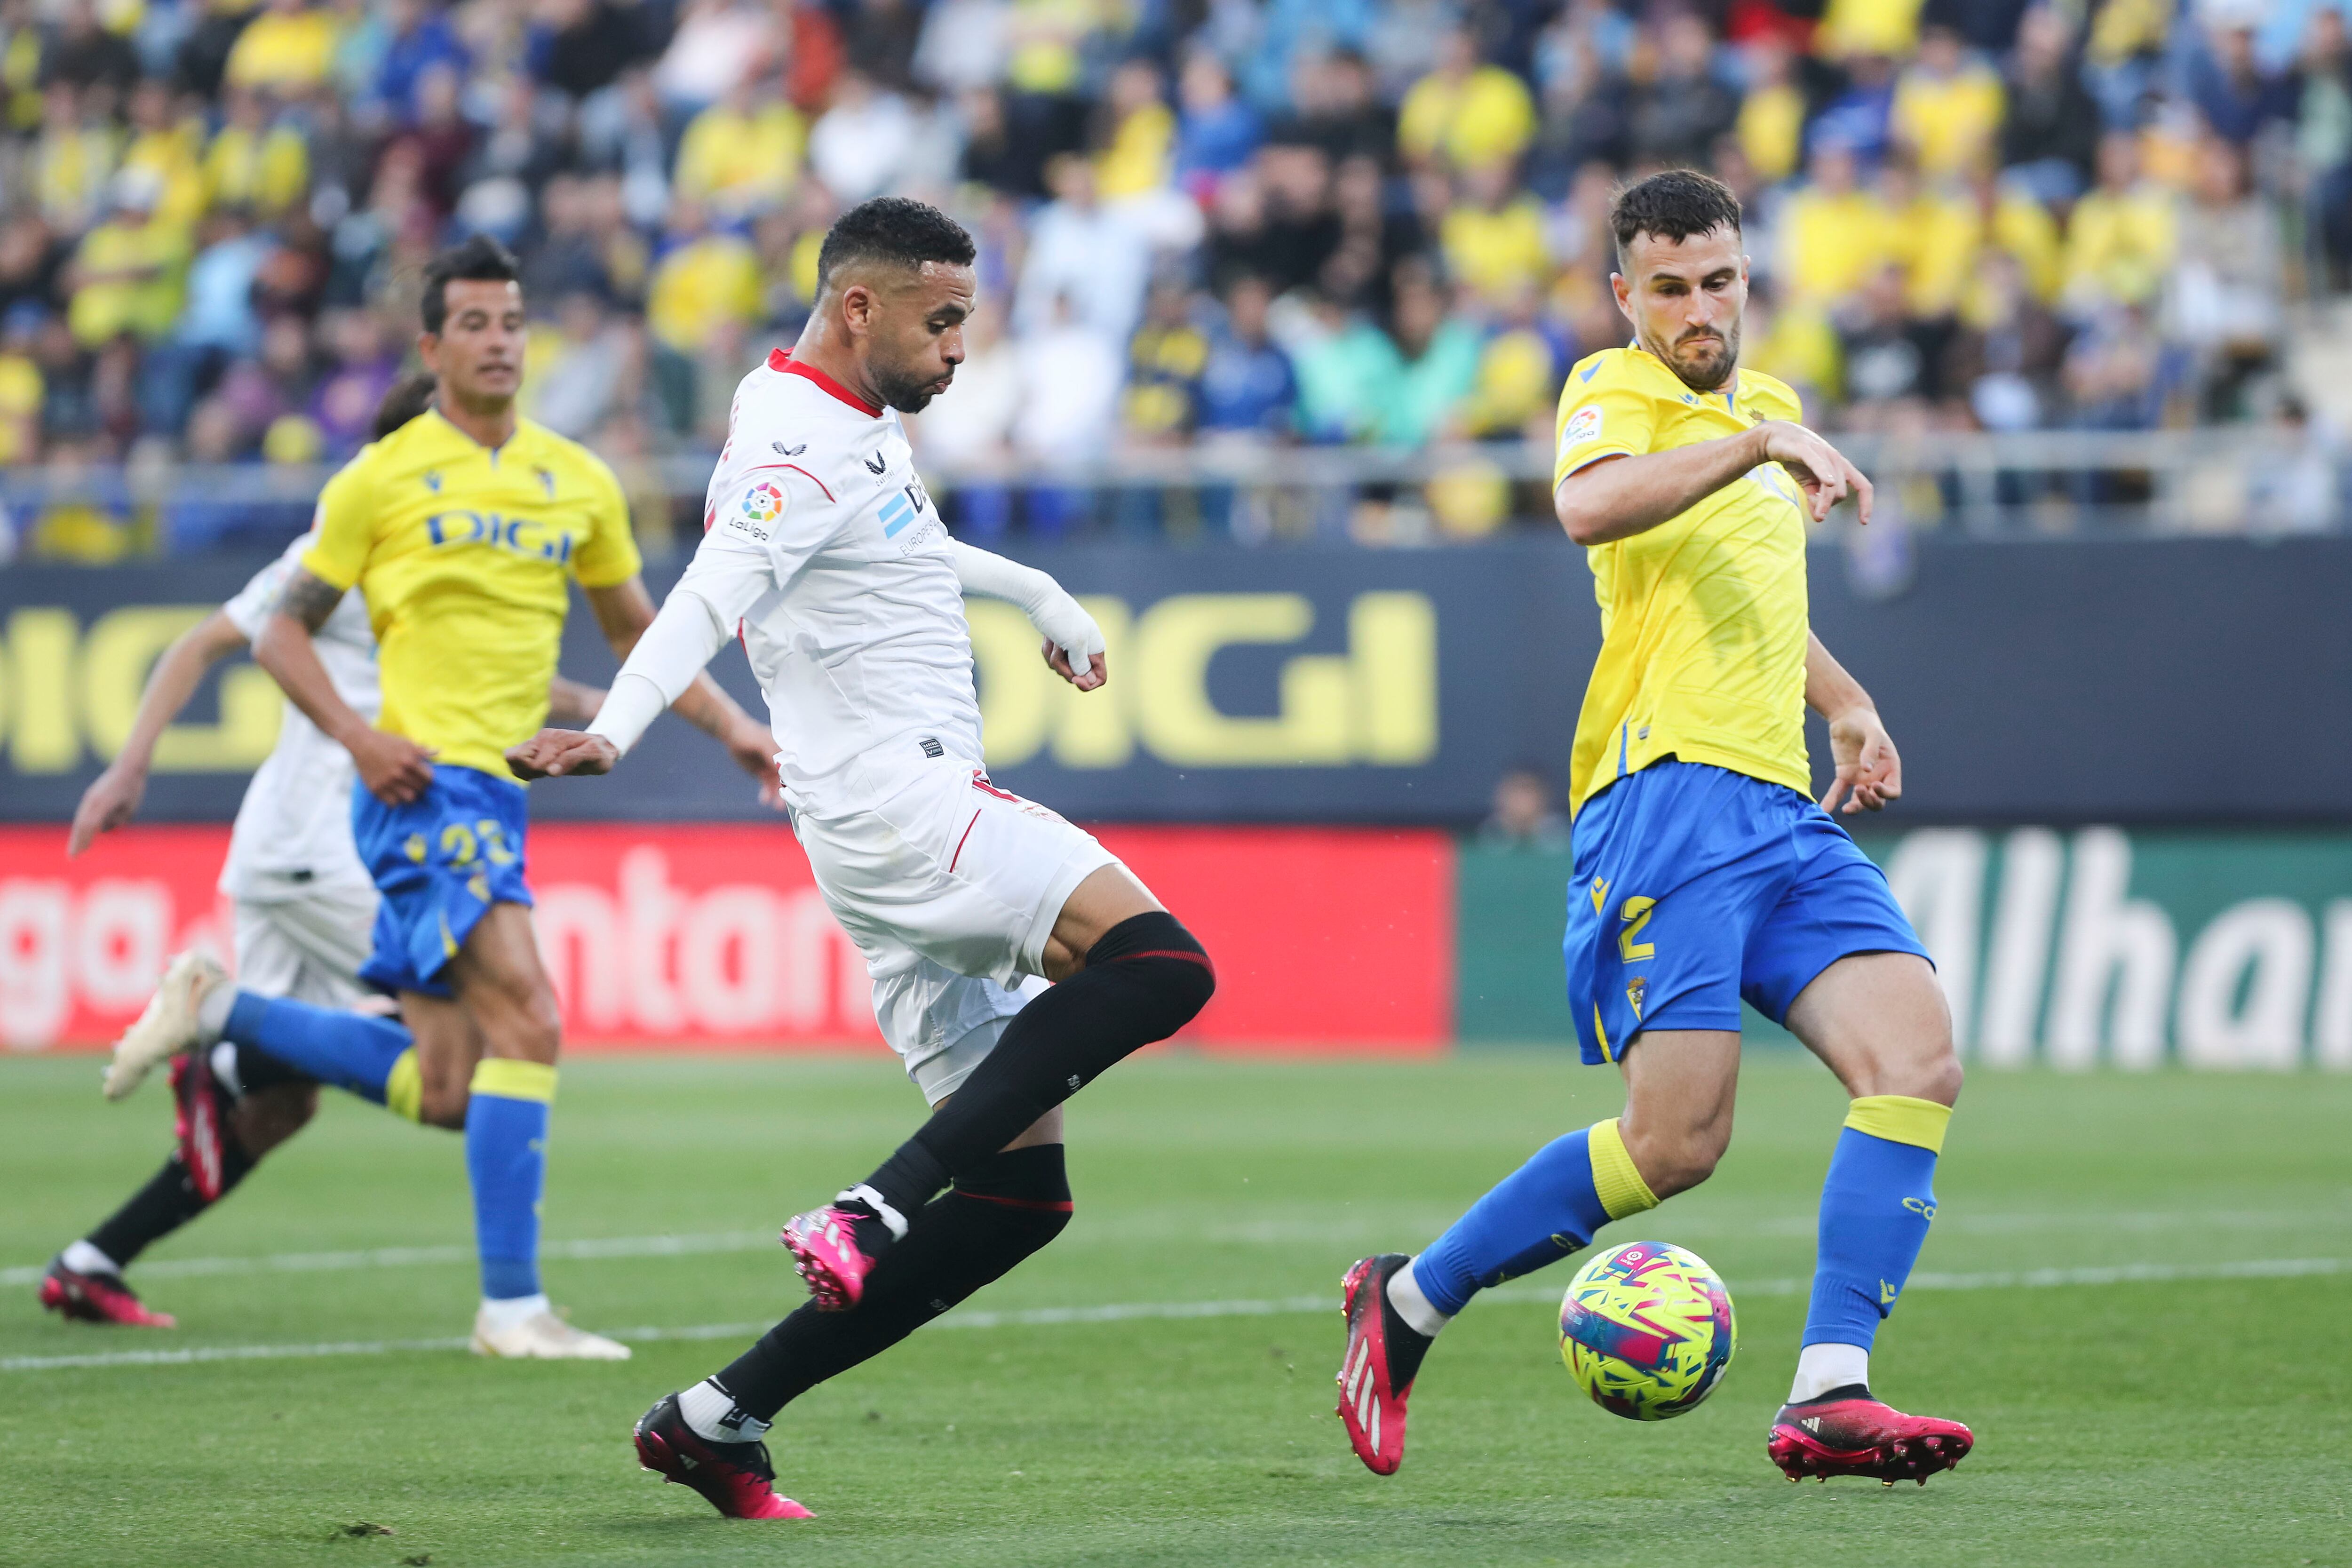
{"x":624,"y":610}
{"x":1869,"y":769}
{"x":1074,"y":649}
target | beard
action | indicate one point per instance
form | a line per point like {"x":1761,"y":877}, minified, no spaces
{"x":1710,"y":371}
{"x":902,"y":390}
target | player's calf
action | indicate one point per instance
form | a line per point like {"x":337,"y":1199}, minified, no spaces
{"x":1144,"y":980}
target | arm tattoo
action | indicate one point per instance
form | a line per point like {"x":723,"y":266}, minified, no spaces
{"x":308,"y":599}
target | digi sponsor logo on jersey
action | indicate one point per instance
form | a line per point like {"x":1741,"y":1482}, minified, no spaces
{"x":517,"y":535}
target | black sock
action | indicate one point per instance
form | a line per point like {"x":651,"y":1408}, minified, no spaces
{"x":997,"y":1215}
{"x":167,"y":1202}
{"x":1145,"y":980}
{"x":257,"y":1069}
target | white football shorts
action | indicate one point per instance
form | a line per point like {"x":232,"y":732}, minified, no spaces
{"x":951,"y":886}
{"x":308,"y":949}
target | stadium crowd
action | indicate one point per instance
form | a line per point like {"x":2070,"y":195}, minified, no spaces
{"x":1214,"y":222}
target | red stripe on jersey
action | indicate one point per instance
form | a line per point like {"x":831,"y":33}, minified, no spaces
{"x":959,"y":850}
{"x":795,"y":468}
{"x":979,"y":782}
{"x":780,"y":361}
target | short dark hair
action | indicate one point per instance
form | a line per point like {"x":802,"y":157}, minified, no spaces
{"x":1673,"y":206}
{"x":404,"y":401}
{"x":480,"y":260}
{"x":895,"y":229}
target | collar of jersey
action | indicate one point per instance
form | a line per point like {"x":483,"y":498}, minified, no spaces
{"x":780,"y":360}
{"x":1730,"y":397}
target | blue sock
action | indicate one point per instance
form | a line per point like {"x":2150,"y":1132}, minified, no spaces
{"x":1875,"y":1207}
{"x":1538,"y":1215}
{"x":506,"y":1156}
{"x":374,"y":1057}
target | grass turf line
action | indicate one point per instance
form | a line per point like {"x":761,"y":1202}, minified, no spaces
{"x":2151,"y":1423}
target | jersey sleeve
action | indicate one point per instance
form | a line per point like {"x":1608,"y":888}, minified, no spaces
{"x":609,"y":554}
{"x":252,"y":604}
{"x":343,"y":532}
{"x":773,"y":511}
{"x":1601,"y":415}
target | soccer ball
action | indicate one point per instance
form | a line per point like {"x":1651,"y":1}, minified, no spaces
{"x":1646,"y":1328}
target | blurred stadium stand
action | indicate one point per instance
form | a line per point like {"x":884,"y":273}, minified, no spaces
{"x":1266,"y":269}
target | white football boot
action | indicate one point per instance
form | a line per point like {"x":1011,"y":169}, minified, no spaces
{"x":168,"y":1027}
{"x":543,"y":1336}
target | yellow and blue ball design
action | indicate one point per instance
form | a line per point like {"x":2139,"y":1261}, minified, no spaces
{"x":1646,"y":1328}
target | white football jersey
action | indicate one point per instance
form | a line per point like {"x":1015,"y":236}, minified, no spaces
{"x":819,"y":537}
{"x":293,"y":831}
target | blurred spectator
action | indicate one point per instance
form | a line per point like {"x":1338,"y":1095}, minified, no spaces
{"x":1139,"y":138}
{"x":1081,"y":253}
{"x":1070,"y":376}
{"x":1678,"y":114}
{"x":1947,"y":105}
{"x":1523,"y":817}
{"x":961,"y":46}
{"x":1494,"y":239}
{"x":2300,"y":491}
{"x":21,"y":387}
{"x":1215,"y":131}
{"x":72,"y":158}
{"x":581,"y":47}
{"x":342,"y":408}
{"x":255,"y":160}
{"x":1466,"y":112}
{"x":128,"y":274}
{"x":1772,"y":121}
{"x":170,"y":146}
{"x":1834,"y":233}
{"x":2236,"y":93}
{"x":2228,"y":277}
{"x":1164,"y":368}
{"x":2322,"y":144}
{"x":2004,"y":364}
{"x":859,"y":145}
{"x":707,"y":283}
{"x":83,"y":52}
{"x":743,"y":153}
{"x":718,"y":43}
{"x":1399,"y":388}
{"x":288,"y":49}
{"x":418,"y":37}
{"x":2050,"y":139}
{"x":2121,"y":238}
{"x":1246,"y":386}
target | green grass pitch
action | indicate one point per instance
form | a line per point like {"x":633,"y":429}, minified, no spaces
{"x":2198,"y":1416}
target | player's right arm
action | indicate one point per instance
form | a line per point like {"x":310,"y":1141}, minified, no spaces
{"x":1609,"y":485}
{"x":394,"y":768}
{"x":694,"y":623}
{"x":113,"y":798}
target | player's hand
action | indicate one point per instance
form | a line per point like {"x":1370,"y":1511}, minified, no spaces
{"x":552,"y":753}
{"x":1819,"y":468}
{"x":755,"y":751}
{"x":1096,"y":674}
{"x":1869,"y":769}
{"x":111,"y":800}
{"x":396,"y":769}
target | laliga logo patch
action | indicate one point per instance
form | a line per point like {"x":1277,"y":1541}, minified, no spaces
{"x":764,"y":503}
{"x":1582,"y":426}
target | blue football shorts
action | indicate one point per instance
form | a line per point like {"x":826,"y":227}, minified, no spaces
{"x":440,"y":862}
{"x":1696,"y":887}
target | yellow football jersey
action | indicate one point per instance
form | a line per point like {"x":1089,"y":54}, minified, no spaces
{"x":463,"y":552}
{"x":1703,"y":618}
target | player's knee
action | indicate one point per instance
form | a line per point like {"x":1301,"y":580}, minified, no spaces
{"x":443,"y":1106}
{"x":1155,"y":947}
{"x":1676,"y":1159}
{"x":266,"y":1117}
